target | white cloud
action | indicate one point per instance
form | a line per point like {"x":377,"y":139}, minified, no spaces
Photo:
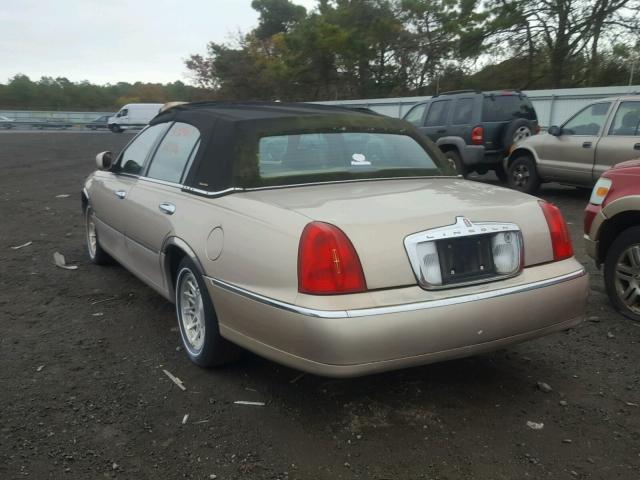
{"x":116,"y":40}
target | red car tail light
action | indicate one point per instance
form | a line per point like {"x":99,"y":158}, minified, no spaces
{"x":536,"y":129}
{"x":560,"y":237}
{"x":477,"y":136}
{"x":327,"y":262}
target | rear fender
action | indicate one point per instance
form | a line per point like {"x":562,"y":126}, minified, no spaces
{"x":449,"y":143}
{"x":177,"y":243}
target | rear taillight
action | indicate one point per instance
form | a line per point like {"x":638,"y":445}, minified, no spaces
{"x":477,"y":136}
{"x":536,"y":129}
{"x":560,"y":237}
{"x":327,"y":262}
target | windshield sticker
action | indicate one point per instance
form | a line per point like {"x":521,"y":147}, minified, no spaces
{"x":359,"y":160}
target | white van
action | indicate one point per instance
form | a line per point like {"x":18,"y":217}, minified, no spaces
{"x":133,"y":115}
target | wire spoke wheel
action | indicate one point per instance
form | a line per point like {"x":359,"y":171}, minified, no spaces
{"x":191,"y":312}
{"x":627,"y":278}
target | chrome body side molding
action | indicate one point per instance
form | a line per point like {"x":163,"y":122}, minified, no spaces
{"x":408,"y":307}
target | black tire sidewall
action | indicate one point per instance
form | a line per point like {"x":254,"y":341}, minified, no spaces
{"x":457,"y":160}
{"x":501,"y":173}
{"x":625,"y":239}
{"x":533,"y":183}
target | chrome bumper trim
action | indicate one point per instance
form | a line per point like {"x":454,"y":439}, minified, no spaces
{"x":408,"y":307}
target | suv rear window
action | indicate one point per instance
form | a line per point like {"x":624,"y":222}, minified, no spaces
{"x":504,"y":108}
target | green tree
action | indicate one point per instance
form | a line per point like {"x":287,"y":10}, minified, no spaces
{"x":276,"y":16}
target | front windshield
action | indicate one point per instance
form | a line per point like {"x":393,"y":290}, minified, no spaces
{"x":286,"y":159}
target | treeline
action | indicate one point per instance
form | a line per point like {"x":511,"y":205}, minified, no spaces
{"x":377,"y":48}
{"x":345,"y":49}
{"x":61,"y":94}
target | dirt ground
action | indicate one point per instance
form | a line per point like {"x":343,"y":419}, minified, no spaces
{"x":83,"y":394}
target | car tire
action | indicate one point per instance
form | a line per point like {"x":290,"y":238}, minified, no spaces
{"x":501,"y":173}
{"x":456,"y":161}
{"x":515,"y":132}
{"x":523,"y":175}
{"x":115,"y":129}
{"x":197,"y":320}
{"x":96,"y":254}
{"x":622,"y":273}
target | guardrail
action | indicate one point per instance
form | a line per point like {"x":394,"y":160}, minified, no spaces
{"x":44,"y":125}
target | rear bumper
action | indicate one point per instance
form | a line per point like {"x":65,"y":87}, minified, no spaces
{"x":591,"y":247}
{"x":351,"y":342}
{"x":472,"y":155}
{"x":478,"y":155}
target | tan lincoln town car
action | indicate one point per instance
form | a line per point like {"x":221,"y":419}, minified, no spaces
{"x":334,"y":241}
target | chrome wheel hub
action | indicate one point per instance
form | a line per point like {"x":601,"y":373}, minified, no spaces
{"x":191,"y":312}
{"x":627,"y":278}
{"x":520,"y":134}
{"x":92,"y":238}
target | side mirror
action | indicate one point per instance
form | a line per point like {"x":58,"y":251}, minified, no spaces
{"x":104,"y":160}
{"x":555,"y":131}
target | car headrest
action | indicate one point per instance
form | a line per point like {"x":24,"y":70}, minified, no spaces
{"x":631,"y":119}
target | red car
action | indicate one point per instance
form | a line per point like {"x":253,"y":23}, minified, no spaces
{"x":612,"y":234}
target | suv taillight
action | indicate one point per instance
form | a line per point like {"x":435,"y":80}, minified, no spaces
{"x":477,"y":136}
{"x":327,"y":262}
{"x":560,"y":237}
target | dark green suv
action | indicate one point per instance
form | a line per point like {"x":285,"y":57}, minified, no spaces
{"x":476,"y":130}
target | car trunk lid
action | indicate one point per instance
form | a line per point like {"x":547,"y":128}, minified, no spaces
{"x":377,"y":216}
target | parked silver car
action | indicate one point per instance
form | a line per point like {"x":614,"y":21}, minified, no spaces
{"x":600,"y":135}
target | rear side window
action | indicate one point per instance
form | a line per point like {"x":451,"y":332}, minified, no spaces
{"x":133,"y":157}
{"x":627,"y":120}
{"x":438,"y":113}
{"x":504,"y":108}
{"x":462,"y":112}
{"x":175,"y":150}
{"x":415,"y":115}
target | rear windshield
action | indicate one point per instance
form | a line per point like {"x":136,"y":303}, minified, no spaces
{"x":504,"y":108}
{"x":312,"y":157}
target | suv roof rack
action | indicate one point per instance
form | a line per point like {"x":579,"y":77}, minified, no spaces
{"x":454,"y":92}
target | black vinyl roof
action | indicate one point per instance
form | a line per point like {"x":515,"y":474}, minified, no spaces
{"x":230,"y":133}
{"x":247,"y":111}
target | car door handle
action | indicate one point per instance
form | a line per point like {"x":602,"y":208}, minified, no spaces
{"x":168,"y":208}
{"x":636,"y":146}
{"x":586,"y":145}
{"x":120,"y":194}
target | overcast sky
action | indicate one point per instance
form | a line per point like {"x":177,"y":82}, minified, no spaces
{"x":106,"y":41}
